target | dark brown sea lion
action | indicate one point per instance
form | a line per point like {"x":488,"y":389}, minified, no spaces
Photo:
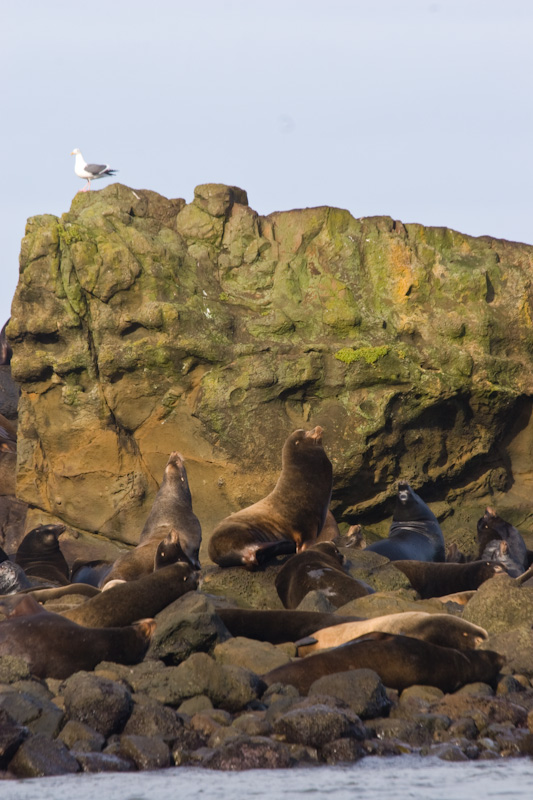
{"x":132,"y":600}
{"x":498,"y":540}
{"x":55,"y":647}
{"x":277,"y":626}
{"x":414,"y":533}
{"x":432,"y":579}
{"x":290,"y":518}
{"x":445,"y":630}
{"x":6,"y":351}
{"x":40,"y":556}
{"x":8,"y":436}
{"x":171,"y":511}
{"x":400,"y":661}
{"x":318,"y":568}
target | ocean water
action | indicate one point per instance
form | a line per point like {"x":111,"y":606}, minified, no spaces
{"x":400,"y":778}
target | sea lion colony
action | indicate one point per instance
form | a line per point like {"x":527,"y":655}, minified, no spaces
{"x":115,"y":620}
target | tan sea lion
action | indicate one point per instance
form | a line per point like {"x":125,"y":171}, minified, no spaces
{"x":171,"y":511}
{"x":288,"y":519}
{"x":40,"y":556}
{"x":445,"y":630}
{"x":318,"y":568}
{"x":55,"y":647}
{"x":431,"y":579}
{"x":133,"y":600}
{"x":400,"y":661}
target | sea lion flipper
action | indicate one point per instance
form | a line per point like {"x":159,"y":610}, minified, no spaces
{"x":306,"y":641}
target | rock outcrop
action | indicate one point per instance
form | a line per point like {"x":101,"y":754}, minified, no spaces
{"x":142,"y":325}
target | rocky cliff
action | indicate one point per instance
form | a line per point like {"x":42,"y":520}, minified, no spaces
{"x":142,"y":325}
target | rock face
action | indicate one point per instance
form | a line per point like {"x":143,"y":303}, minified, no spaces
{"x":142,"y":325}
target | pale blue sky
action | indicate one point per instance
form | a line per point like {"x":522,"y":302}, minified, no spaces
{"x":419,"y":109}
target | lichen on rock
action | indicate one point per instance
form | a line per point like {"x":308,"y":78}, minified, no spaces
{"x":143,"y":324}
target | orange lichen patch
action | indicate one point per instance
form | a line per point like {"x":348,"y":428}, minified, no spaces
{"x":402,"y":271}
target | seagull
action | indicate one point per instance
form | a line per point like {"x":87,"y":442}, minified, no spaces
{"x":90,"y":171}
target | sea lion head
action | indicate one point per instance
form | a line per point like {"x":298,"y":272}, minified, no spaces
{"x":170,"y":551}
{"x":42,"y":539}
{"x":410,"y":506}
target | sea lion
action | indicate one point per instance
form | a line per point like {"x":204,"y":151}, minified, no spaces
{"x":277,"y":626}
{"x":318,"y":567}
{"x":433,"y":579}
{"x":92,"y":572}
{"x":445,"y":630}
{"x":171,"y":511}
{"x":132,"y":600}
{"x":12,"y":578}
{"x":8,"y":436}
{"x":492,"y":530}
{"x":40,"y":556}
{"x":55,"y":647}
{"x":400,"y":661}
{"x":414,"y":532}
{"x":288,"y":519}
{"x":6,"y":351}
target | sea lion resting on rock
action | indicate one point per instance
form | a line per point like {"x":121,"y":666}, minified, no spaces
{"x":400,"y":661}
{"x":277,"y":626}
{"x":414,"y":532}
{"x":501,"y":541}
{"x":445,"y":630}
{"x":318,"y":568}
{"x":432,"y":579}
{"x":40,"y":556}
{"x":290,"y":518}
{"x":133,"y":600}
{"x":171,"y":515}
{"x":12,"y":578}
{"x":55,"y":647}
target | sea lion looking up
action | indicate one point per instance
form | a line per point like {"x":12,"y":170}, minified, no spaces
{"x":55,"y":647}
{"x":171,"y":511}
{"x":493,"y":530}
{"x":414,"y":532}
{"x":400,"y":661}
{"x":40,"y":556}
{"x":288,"y":519}
{"x":318,"y":568}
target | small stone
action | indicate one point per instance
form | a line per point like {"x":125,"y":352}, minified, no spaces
{"x":78,"y":736}
{"x":146,"y":752}
{"x":102,"y":762}
{"x":342,"y":751}
{"x":102,"y":704}
{"x":13,"y":668}
{"x":361,"y":689}
{"x":39,"y":756}
{"x":195,"y":705}
{"x":255,"y":753}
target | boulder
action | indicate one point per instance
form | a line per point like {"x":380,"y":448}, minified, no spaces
{"x":143,"y":324}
